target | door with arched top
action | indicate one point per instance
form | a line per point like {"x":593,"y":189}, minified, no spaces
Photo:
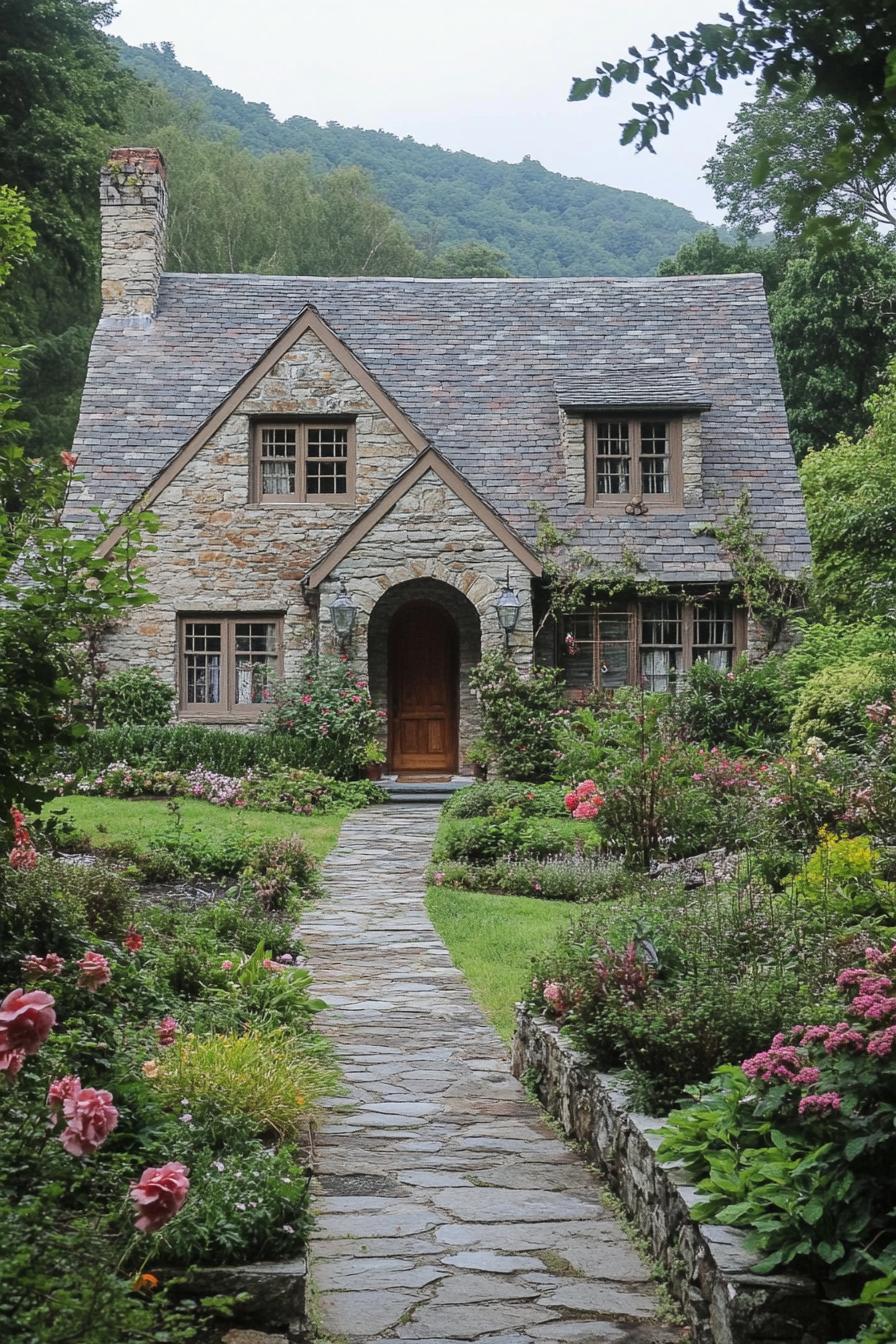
{"x":423,"y":689}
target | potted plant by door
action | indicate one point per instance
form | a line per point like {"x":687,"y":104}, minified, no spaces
{"x":374,"y":760}
{"x":478,"y":756}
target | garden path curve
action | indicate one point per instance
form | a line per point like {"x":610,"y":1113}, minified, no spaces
{"x":447,"y":1210}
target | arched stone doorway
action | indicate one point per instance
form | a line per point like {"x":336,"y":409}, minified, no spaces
{"x":423,"y":638}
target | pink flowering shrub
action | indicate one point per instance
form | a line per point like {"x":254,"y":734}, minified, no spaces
{"x":800,"y":1140}
{"x":584,"y":802}
{"x":222,"y":790}
{"x":329,"y":709}
{"x":23,"y":855}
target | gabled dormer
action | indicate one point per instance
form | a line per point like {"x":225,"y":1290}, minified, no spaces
{"x":632,"y":443}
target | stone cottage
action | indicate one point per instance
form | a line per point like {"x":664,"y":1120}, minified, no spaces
{"x":395,"y":442}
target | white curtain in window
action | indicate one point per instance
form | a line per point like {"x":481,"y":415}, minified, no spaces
{"x":277,"y":477}
{"x":656,"y":669}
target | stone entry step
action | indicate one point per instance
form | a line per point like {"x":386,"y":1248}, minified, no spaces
{"x":447,"y":1210}
{"x":422,"y":790}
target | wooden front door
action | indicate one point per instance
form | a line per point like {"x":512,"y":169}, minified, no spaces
{"x":423,"y":674}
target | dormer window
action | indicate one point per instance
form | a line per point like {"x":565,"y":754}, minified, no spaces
{"x":633,"y":460}
{"x":304,"y":462}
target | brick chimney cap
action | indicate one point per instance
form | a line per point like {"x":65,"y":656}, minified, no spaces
{"x":146,"y":159}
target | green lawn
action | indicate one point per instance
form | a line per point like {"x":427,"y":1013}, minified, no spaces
{"x":137,"y":821}
{"x":493,"y":940}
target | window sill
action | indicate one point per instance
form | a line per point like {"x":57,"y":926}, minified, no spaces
{"x":225,"y":716}
{"x":290,"y":504}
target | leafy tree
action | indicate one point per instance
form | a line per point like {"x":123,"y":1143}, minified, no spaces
{"x":850,"y":491}
{"x":60,"y":90}
{"x":843,"y":50}
{"x":832,"y":315}
{"x":469,"y":261}
{"x":56,"y":593}
{"x":769,"y":168}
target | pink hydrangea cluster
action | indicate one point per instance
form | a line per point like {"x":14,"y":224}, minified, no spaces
{"x":823,"y":1103}
{"x":584,"y":802}
{"x":555,"y":997}
{"x":780,"y":1063}
{"x":23,"y":855}
{"x":881,"y":1042}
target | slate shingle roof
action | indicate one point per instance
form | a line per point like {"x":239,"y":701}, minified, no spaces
{"x":479,"y":366}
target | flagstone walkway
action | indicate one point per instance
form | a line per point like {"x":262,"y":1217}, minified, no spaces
{"x":447,"y":1210}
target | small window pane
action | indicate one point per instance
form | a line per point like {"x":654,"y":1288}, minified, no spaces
{"x":326,"y":460}
{"x":655,"y":476}
{"x":661,"y":623}
{"x":658,"y":668}
{"x":613,"y":668}
{"x":578,"y":651}
{"x":714,"y":634}
{"x":255,"y":653}
{"x":278,"y":460}
{"x":612,"y":457}
{"x":202,"y":662}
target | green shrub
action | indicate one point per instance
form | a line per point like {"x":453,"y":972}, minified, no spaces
{"x":482,"y":800}
{"x":137,"y":695}
{"x":832,"y":704}
{"x":832,"y":644}
{"x":305,"y":792}
{"x":520,"y":716}
{"x":562,"y":878}
{"x":184,"y":746}
{"x":280,"y":871}
{"x":328,"y":711}
{"x":39,"y":913}
{"x":597,"y":738}
{"x":842,"y":876}
{"x":484,"y":839}
{"x":746,"y":707}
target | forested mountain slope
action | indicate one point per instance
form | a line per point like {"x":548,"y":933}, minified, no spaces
{"x":544,"y":223}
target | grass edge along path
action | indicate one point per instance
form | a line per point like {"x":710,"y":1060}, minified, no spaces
{"x":493,"y":939}
{"x":138,"y":821}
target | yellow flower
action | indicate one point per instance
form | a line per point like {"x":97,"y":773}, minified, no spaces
{"x":151,"y":1068}
{"x":300,"y":1100}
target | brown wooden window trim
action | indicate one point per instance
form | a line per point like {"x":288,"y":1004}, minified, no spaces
{"x":303,"y":431}
{"x":225,"y":707}
{"x":634,"y":424}
{"x":682,"y":626}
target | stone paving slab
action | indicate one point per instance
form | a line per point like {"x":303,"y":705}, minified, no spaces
{"x":448,"y":1212}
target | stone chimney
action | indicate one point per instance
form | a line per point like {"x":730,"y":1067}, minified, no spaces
{"x":133,"y":213}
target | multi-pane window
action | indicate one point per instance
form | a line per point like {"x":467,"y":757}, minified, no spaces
{"x":228,"y":664}
{"x":304,"y":461}
{"x":651,"y":643}
{"x":634,"y":459}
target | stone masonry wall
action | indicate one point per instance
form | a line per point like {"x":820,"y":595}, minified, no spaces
{"x":218,"y":552}
{"x":133,"y":215}
{"x":709,"y":1268}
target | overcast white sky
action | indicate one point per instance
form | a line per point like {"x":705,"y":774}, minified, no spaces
{"x":489,"y":76}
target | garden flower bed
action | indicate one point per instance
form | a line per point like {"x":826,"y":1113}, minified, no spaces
{"x":160,"y":1067}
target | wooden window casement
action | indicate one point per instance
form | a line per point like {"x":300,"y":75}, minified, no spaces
{"x":303,"y":462}
{"x":651,"y":643}
{"x":633,"y":460}
{"x":227,"y":664}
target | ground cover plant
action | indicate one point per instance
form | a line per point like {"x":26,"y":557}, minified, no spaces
{"x":159,"y":1064}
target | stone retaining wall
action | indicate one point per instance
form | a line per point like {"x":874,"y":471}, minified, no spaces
{"x":709,"y":1267}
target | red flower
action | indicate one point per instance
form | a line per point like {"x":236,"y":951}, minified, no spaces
{"x":160,"y":1194}
{"x":23,"y":858}
{"x":133,"y":940}
{"x":166,"y":1031}
{"x":26,"y":1020}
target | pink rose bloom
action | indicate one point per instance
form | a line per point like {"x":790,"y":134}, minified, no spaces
{"x":90,"y":1118}
{"x":60,"y":1089}
{"x":94,"y":970}
{"x":823,"y":1103}
{"x":160,"y":1194}
{"x":585,"y":812}
{"x":11,"y":1061}
{"x":586,"y":788}
{"x":26,"y":1020}
{"x":167,"y":1030}
{"x":438,"y":878}
{"x":226,"y":965}
{"x":51,"y":964}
